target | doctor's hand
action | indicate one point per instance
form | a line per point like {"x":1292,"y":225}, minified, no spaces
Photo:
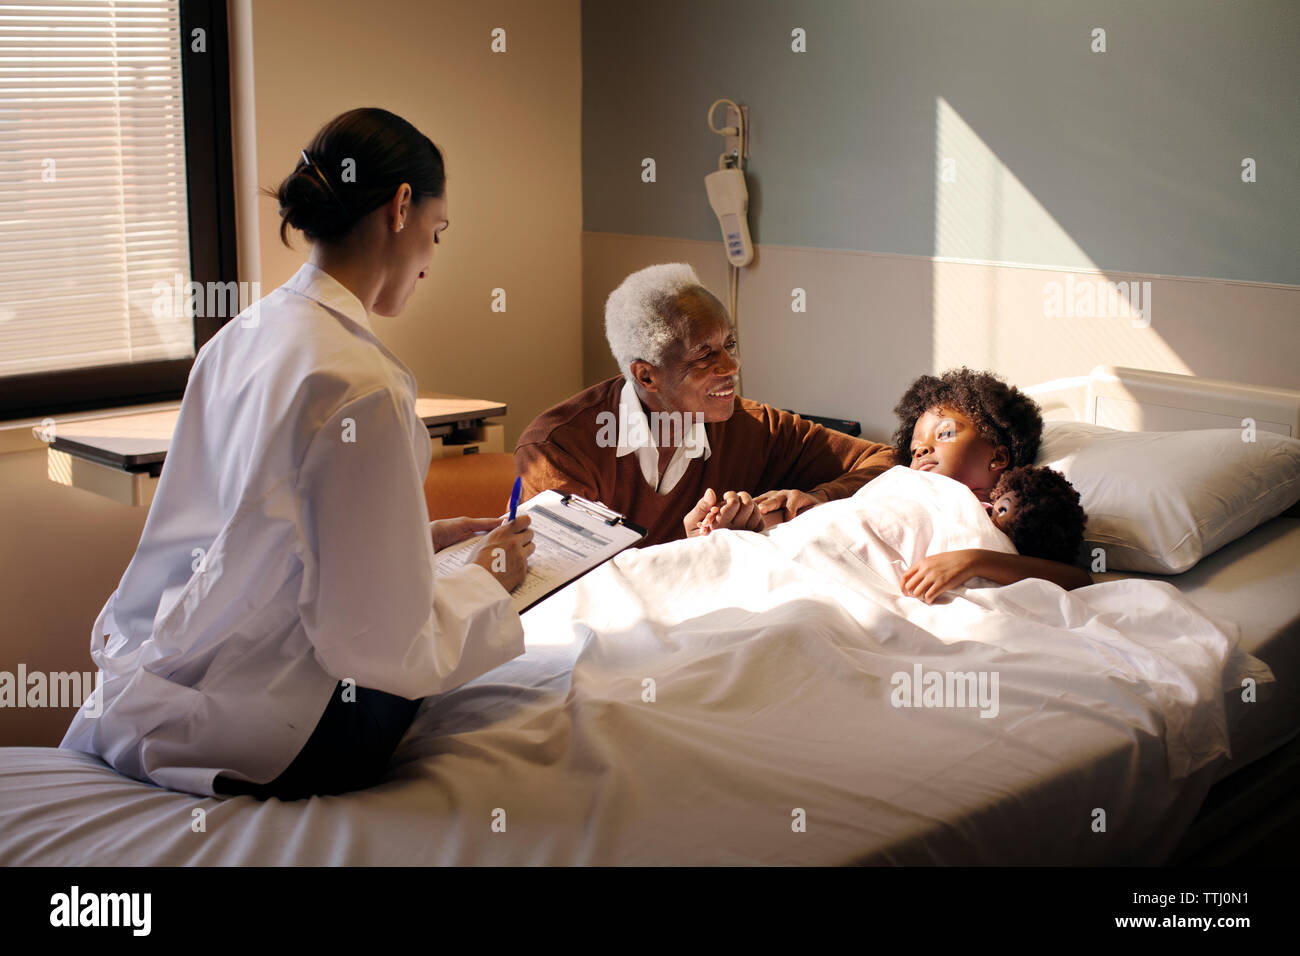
{"x":736,"y":510}
{"x":449,"y":531}
{"x":505,"y":550}
{"x":778,"y":506}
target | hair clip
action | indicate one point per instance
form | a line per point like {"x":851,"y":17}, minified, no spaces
{"x":308,"y":160}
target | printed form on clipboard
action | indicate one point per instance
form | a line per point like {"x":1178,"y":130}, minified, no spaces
{"x":572,"y":535}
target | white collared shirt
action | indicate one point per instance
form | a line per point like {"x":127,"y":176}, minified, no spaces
{"x":287,"y":548}
{"x":634,"y":435}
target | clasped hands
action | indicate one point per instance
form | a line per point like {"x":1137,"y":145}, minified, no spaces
{"x":740,"y":511}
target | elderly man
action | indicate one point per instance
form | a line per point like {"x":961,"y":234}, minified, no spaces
{"x":669,"y":443}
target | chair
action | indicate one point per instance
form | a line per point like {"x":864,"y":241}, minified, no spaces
{"x":473,"y":486}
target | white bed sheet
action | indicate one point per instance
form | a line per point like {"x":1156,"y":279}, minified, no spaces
{"x":1254,"y":583}
{"x":772,"y":662}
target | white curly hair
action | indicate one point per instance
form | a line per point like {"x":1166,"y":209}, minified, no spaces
{"x":642,"y":316}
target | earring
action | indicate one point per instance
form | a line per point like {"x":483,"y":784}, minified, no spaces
{"x":400,"y":226}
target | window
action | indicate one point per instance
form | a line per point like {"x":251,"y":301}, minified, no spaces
{"x":115,"y":193}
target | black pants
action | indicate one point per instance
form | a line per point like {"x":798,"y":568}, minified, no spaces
{"x":348,"y":750}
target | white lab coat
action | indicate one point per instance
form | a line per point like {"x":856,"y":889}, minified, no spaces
{"x":294,"y":484}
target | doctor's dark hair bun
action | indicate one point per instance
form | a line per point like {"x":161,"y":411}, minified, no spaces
{"x":357,"y":161}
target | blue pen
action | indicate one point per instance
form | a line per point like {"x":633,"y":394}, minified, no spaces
{"x":514,"y":496}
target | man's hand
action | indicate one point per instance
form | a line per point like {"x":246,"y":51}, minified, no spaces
{"x":449,"y":531}
{"x":505,"y":550}
{"x":931,"y":576}
{"x":735,"y":510}
{"x":778,"y":506}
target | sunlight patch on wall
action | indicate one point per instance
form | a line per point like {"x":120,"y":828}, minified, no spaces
{"x":1030,"y":321}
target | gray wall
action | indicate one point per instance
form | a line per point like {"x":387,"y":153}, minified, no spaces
{"x":1134,"y":152}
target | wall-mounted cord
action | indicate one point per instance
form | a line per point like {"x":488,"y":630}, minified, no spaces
{"x":733,"y":160}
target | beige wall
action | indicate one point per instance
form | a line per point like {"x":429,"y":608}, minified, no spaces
{"x":509,"y":127}
{"x":875,"y":321}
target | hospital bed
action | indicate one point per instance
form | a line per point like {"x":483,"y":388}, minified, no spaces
{"x":1252,"y":813}
{"x":743,"y":752}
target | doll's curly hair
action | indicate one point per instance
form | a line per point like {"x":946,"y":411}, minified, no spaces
{"x":1002,"y":413}
{"x":1048,"y":520}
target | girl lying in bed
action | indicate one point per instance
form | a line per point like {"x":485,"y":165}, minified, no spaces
{"x":974,"y":428}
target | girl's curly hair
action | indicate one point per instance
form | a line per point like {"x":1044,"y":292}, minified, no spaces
{"x":1001,"y":413}
{"x":1048,"y":521}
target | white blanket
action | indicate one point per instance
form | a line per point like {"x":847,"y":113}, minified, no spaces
{"x":1141,"y":651}
{"x":776,"y":664}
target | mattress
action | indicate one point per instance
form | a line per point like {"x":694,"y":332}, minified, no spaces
{"x":566,"y":756}
{"x":1254,"y":584}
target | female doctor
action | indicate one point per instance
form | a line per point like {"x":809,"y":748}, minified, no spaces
{"x":279,"y":623}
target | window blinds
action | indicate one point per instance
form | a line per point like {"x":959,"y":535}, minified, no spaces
{"x":93,"y":208}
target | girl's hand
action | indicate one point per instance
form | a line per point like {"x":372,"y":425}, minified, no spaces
{"x":933,"y":575}
{"x":709,"y":521}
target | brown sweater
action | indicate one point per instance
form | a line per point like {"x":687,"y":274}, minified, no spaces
{"x":760,"y":448}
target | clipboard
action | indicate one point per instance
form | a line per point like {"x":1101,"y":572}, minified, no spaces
{"x":572,"y":535}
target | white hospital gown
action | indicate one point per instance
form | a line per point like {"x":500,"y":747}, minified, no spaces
{"x":287,"y":547}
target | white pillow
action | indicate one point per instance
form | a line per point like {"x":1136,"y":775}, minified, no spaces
{"x":1160,"y":501}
